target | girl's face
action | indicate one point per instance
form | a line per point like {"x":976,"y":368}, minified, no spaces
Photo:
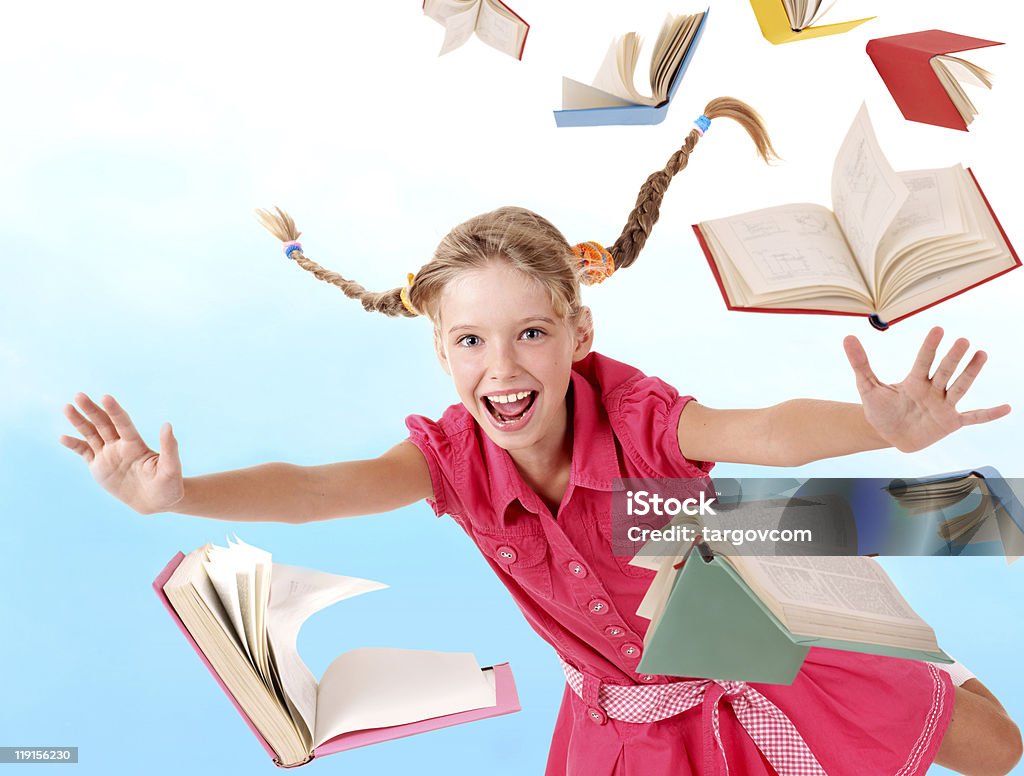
{"x":510,"y":355}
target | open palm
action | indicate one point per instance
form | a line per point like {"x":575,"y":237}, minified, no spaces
{"x":920,"y":410}
{"x":119,"y":460}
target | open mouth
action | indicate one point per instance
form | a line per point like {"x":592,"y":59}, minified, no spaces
{"x":509,"y":408}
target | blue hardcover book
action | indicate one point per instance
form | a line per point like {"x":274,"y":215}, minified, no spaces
{"x":608,"y":109}
{"x":970,"y":512}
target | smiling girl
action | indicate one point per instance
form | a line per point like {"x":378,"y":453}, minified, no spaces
{"x":525,"y":464}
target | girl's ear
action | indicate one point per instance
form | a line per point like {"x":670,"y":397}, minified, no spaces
{"x":584,"y":334}
{"x":441,"y":355}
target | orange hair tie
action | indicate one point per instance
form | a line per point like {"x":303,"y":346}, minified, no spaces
{"x":595,"y":261}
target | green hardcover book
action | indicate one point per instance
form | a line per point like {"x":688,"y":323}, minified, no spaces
{"x":713,"y":625}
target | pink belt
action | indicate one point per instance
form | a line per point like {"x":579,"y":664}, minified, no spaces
{"x":764,"y":722}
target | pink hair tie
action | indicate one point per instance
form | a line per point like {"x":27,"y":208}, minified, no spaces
{"x":291,"y":246}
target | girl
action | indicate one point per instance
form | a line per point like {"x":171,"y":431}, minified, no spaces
{"x":525,"y":464}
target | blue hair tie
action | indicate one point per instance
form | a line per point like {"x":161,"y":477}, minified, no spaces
{"x":290,"y":248}
{"x":703,"y":123}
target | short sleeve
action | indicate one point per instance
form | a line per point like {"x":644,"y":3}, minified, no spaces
{"x":431,"y":440}
{"x":648,"y":411}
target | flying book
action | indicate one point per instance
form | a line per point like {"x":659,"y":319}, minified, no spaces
{"x":613,"y":97}
{"x":784,"y":21}
{"x":759,"y":616}
{"x":494,"y":23}
{"x":893,"y":244}
{"x":242,"y":614}
{"x":927,"y":83}
{"x":971,"y":510}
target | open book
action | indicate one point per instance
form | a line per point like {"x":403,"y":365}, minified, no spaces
{"x":783,"y":21}
{"x":243,"y":613}
{"x":494,"y":23}
{"x":970,"y":509}
{"x":613,"y":97}
{"x":893,"y":244}
{"x":759,"y":615}
{"x":925,"y":81}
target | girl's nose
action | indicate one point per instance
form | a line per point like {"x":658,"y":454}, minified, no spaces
{"x":503,"y":365}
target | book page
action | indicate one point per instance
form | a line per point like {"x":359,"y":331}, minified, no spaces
{"x":459,"y":26}
{"x":819,"y":9}
{"x":221,"y":576}
{"x":371,"y":688}
{"x":867,"y":194}
{"x":296,"y":594}
{"x":841,"y":585}
{"x":930,"y":211}
{"x":617,"y":71}
{"x":261,"y":562}
{"x":785,"y":248}
{"x":675,"y":39}
{"x":500,"y":28}
{"x":941,"y":267}
{"x":576,"y":96}
{"x":440,"y":10}
{"x":962,"y":70}
{"x":240,"y":575}
{"x":796,"y":10}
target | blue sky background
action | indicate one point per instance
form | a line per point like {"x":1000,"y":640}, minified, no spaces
{"x":137,"y":141}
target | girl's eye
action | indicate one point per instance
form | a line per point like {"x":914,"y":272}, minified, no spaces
{"x":469,"y":341}
{"x":533,"y":334}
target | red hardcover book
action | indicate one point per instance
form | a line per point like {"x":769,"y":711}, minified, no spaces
{"x":905,"y":64}
{"x":873,"y":319}
{"x":893,"y":244}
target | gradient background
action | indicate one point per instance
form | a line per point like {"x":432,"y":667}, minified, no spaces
{"x":136,"y":142}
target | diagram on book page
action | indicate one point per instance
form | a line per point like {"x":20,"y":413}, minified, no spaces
{"x":783,"y":267}
{"x":812,"y":223}
{"x":866,"y":193}
{"x":753,"y":228}
{"x":788,"y":247}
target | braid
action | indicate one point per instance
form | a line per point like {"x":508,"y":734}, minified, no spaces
{"x":648,"y":202}
{"x":283,"y":228}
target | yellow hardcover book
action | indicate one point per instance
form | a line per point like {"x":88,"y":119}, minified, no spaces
{"x":777,"y":27}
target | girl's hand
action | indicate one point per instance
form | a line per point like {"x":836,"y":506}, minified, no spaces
{"x":120,"y":460}
{"x":921,"y":410}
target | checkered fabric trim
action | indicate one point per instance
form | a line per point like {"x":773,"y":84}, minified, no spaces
{"x":767,"y":726}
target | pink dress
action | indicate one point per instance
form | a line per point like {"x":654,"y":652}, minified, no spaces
{"x":859,"y":714}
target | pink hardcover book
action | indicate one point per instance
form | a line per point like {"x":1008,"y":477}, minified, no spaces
{"x":505,"y":687}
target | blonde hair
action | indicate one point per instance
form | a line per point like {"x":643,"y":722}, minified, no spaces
{"x":529,"y":242}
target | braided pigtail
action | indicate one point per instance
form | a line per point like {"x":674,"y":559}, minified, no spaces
{"x":281,"y":225}
{"x":648,"y":202}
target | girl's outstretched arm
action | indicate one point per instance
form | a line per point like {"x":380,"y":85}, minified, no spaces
{"x":909,"y":415}
{"x":149,"y":481}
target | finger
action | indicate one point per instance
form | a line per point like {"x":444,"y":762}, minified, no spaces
{"x":926,"y":355}
{"x":122,"y":422}
{"x":84,"y":427}
{"x":98,"y":416}
{"x":78,"y":446}
{"x":859,"y":363}
{"x":949,"y":364}
{"x":963,"y":383}
{"x":974,"y":417}
{"x":170,"y":462}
